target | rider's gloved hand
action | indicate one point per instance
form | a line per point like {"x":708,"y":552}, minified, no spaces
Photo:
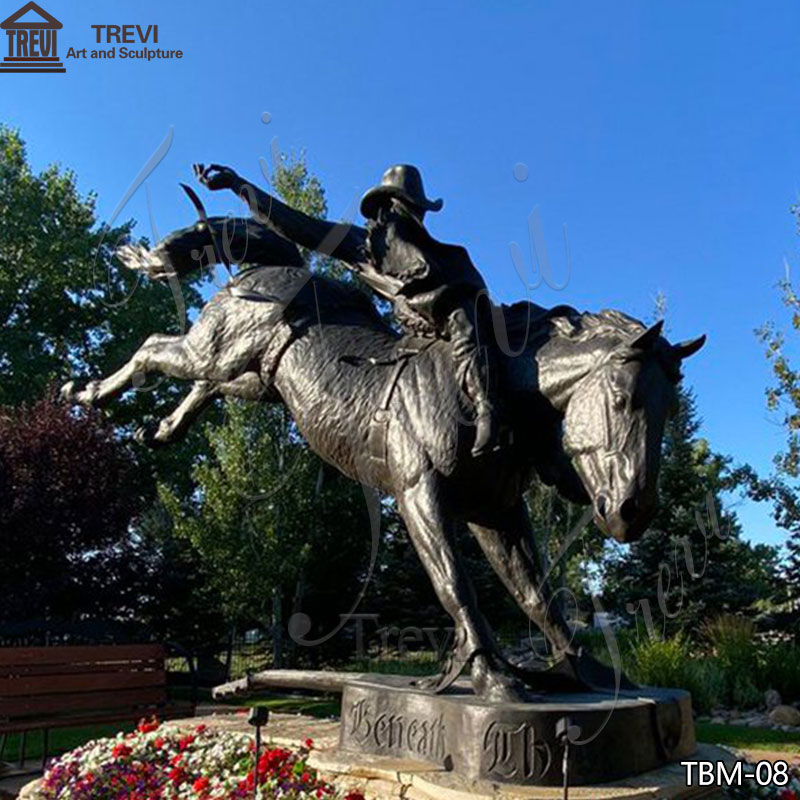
{"x":215,"y":176}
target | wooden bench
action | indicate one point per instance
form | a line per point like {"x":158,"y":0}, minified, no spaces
{"x":42,"y":688}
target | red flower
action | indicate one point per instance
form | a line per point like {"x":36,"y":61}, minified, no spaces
{"x":121,"y":751}
{"x":354,"y":796}
{"x":309,"y":743}
{"x":200,"y":729}
{"x":177,"y":775}
{"x":201,"y":784}
{"x":148,"y":726}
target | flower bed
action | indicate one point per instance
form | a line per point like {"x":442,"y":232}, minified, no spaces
{"x":159,"y":762}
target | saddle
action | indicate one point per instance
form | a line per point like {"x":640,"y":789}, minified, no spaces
{"x":405,"y":350}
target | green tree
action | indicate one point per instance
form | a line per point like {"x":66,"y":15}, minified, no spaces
{"x":279,"y":532}
{"x":782,"y":487}
{"x":66,"y":307}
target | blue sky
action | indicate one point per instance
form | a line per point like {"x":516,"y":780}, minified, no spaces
{"x":664,"y":135}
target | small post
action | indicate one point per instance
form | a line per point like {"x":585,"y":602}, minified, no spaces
{"x":566,"y":732}
{"x":258,"y":718}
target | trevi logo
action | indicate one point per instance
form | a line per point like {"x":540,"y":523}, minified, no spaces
{"x":32,"y":41}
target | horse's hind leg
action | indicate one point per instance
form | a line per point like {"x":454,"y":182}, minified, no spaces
{"x":159,"y":353}
{"x":432,"y":535}
{"x":508,"y":548}
{"x":174,"y":427}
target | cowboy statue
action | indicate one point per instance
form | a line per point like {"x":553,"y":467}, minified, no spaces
{"x":434,"y":287}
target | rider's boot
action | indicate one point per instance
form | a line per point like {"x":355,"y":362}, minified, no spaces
{"x":476,"y":369}
{"x":485,"y":430}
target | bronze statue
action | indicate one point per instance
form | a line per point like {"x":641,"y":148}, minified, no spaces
{"x":585,"y":399}
{"x":434,"y":287}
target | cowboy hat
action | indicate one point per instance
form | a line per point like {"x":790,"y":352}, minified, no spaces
{"x":403,"y":182}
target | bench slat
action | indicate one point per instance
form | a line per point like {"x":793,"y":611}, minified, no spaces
{"x":78,"y":669}
{"x":14,"y":656}
{"x":77,"y":721}
{"x":65,"y":684}
{"x":84,"y":701}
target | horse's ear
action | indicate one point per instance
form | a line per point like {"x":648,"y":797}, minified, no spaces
{"x":644,"y":341}
{"x":689,"y":347}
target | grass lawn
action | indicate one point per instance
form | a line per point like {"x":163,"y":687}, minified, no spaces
{"x":746,"y":738}
{"x":320,"y":707}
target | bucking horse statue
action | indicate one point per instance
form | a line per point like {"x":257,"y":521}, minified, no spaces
{"x":585,"y":397}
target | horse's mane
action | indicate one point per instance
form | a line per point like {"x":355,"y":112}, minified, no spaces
{"x":527,"y":321}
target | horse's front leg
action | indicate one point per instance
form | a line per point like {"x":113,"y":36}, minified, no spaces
{"x":508,"y":546}
{"x":159,"y":353}
{"x":432,"y":534}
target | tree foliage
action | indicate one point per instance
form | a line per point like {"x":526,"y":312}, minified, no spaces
{"x":66,"y":308}
{"x":284,"y":533}
{"x":68,"y":492}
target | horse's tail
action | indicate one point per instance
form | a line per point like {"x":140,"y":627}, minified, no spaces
{"x":241,"y":240}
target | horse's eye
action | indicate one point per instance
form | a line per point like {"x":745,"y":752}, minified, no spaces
{"x":619,"y":400}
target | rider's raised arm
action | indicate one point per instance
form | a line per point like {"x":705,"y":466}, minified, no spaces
{"x":237,"y":240}
{"x":342,"y":241}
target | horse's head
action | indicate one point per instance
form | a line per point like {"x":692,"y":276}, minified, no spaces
{"x":614,"y":424}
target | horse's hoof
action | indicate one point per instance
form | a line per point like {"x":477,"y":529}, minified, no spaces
{"x":493,"y":684}
{"x":84,"y":397}
{"x":67,"y":392}
{"x":146,"y":435}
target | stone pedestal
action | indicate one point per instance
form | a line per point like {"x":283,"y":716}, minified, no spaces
{"x":516,"y":743}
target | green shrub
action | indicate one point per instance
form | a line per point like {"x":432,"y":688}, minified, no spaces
{"x":659,"y":662}
{"x":669,"y":663}
{"x":779,"y":669}
{"x":731,"y":639}
{"x":742,"y":692}
{"x":705,"y":680}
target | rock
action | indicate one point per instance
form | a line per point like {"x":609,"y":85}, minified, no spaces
{"x":771,"y":699}
{"x":784,"y":715}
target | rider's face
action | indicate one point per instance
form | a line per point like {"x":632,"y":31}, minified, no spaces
{"x":396,"y":204}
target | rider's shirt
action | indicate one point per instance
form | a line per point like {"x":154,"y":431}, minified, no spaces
{"x":428,"y":278}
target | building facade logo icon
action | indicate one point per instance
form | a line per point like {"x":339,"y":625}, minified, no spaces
{"x":32,"y":45}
